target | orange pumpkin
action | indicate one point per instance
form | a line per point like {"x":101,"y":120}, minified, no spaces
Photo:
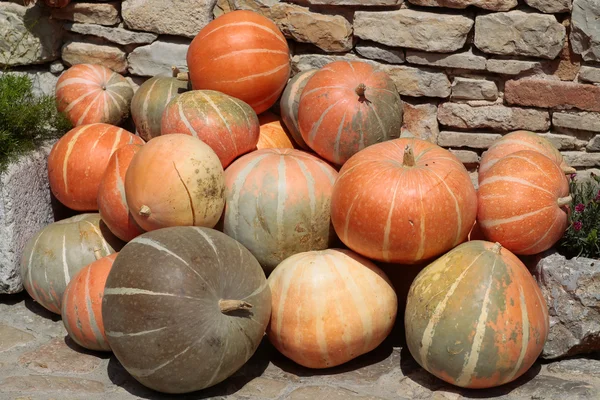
{"x":82,"y":304}
{"x":522,"y":202}
{"x":111,"y":195}
{"x":289,"y":103}
{"x":90,"y":93}
{"x":175,"y":180}
{"x":347,"y":106}
{"x":520,"y":140}
{"x":242,"y":54}
{"x":272,"y":133}
{"x":329,"y":307}
{"x":78,"y":160}
{"x":403,"y":201}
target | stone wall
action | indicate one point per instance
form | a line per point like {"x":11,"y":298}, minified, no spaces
{"x":467,"y":70}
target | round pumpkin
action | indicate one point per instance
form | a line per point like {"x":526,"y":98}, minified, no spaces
{"x":273,"y":135}
{"x":242,"y":54}
{"x":175,"y":180}
{"x":228,"y":125}
{"x":347,"y":106}
{"x":523,"y":202}
{"x":403,"y":201}
{"x":475,"y":317}
{"x":81,"y":309}
{"x":79,"y":159}
{"x":150,"y":100}
{"x":329,"y":307}
{"x":184,"y":308}
{"x":58,"y":251}
{"x":90,"y":93}
{"x":278,"y":204}
{"x":112,"y":202}
{"x":289,"y":103}
{"x":521,"y":140}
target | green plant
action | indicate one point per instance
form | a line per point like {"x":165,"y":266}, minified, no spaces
{"x":26,"y":120}
{"x":582,"y":237}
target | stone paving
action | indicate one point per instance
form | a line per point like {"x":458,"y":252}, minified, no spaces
{"x":39,"y":362}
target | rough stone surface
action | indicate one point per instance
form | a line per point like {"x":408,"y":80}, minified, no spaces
{"x":594,"y":144}
{"x":57,"y":67}
{"x":168,"y":17}
{"x":413,"y":29}
{"x":467,"y":139}
{"x":466,"y":157}
{"x":585,"y":121}
{"x":28,"y":35}
{"x":24,"y":209}
{"x":158,"y":57}
{"x":564,"y":142}
{"x":115,"y":35}
{"x":589,"y":74}
{"x":462,"y":60}
{"x":550,"y":6}
{"x":511,"y":67}
{"x":495,"y":117}
{"x":303,"y":62}
{"x":519,"y":33}
{"x":43,"y":384}
{"x":90,"y":13}
{"x":76,"y":52}
{"x":263,"y":388}
{"x":375,"y":51}
{"x":577,"y":366}
{"x":546,"y":93}
{"x":417,"y":82}
{"x":566,"y":66}
{"x":362,"y":3}
{"x":420,"y":120}
{"x":11,"y":337}
{"x":585,"y":29}
{"x":326,"y":392}
{"x":571,"y":289}
{"x":494,"y":5}
{"x":474,"y":89}
{"x":579,"y":159}
{"x":56,"y":356}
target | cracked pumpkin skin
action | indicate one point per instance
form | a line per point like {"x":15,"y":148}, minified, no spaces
{"x":175,"y":180}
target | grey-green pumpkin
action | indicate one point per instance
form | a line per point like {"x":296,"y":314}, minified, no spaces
{"x":289,"y":102}
{"x":184,"y":308}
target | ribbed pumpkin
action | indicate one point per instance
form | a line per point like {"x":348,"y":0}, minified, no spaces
{"x":289,"y":103}
{"x":521,"y":140}
{"x":150,"y":100}
{"x":475,"y":317}
{"x":278,"y":204}
{"x":329,"y":307}
{"x":79,"y":159}
{"x":522,"y":202}
{"x":272,"y":133}
{"x":403,"y":201}
{"x":57,"y":252}
{"x":90,"y":93}
{"x":347,"y":106}
{"x":228,"y":125}
{"x":81,"y":309}
{"x":112,"y":201}
{"x":184,"y":308}
{"x":175,"y":180}
{"x":242,"y":54}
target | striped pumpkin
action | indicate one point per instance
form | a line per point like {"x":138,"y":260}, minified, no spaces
{"x":475,"y":317}
{"x":90,"y":93}
{"x":150,"y":100}
{"x":347,"y":106}
{"x":289,"y":103}
{"x":81,"y":309}
{"x":329,"y":307}
{"x":112,"y":202}
{"x":242,"y":54}
{"x":175,"y":180}
{"x":184,"y":308}
{"x":403,"y":201}
{"x":522,"y":202}
{"x":278,"y":204}
{"x":272,"y":133}
{"x":57,"y":252}
{"x":78,"y":160}
{"x":521,"y":140}
{"x":228,"y":125}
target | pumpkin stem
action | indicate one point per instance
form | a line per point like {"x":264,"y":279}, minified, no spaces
{"x":568,"y":170}
{"x":497,"y":247}
{"x":563,"y":201}
{"x":360,"y":90}
{"x":227,"y":306}
{"x":97,"y":254}
{"x":145,"y":211}
{"x":175,"y":71}
{"x":409,"y":157}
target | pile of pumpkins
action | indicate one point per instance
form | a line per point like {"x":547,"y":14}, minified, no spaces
{"x":184,"y":221}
